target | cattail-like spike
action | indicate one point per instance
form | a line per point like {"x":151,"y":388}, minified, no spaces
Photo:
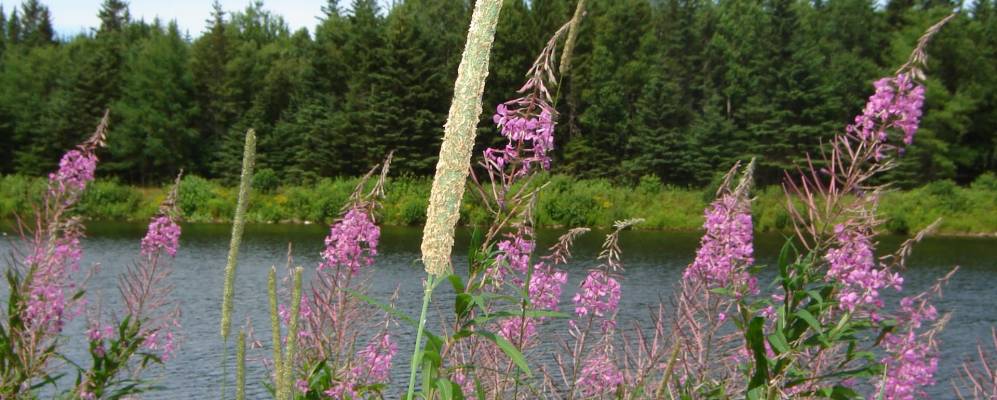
{"x":287,"y":369}
{"x":238,"y":223}
{"x":278,"y":361}
{"x":569,"y":43}
{"x":458,"y":140}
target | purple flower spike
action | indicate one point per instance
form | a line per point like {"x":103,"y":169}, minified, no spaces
{"x":163,"y":234}
{"x":375,"y":359}
{"x":599,"y":295}
{"x":76,"y":170}
{"x":853,"y":265}
{"x":897,"y":103}
{"x":545,"y":286}
{"x":726,"y":248}
{"x":352,"y":242}
{"x":599,"y":376}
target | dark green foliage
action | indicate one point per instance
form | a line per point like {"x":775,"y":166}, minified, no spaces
{"x":672,"y":89}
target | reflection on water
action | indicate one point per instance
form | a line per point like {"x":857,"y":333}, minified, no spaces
{"x":653,"y":261}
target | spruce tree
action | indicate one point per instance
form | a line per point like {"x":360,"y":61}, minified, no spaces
{"x":153,"y":135}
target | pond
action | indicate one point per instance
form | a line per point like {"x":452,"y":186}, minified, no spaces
{"x":653,"y":261}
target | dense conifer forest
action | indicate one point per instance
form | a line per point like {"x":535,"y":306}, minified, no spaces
{"x":672,"y":89}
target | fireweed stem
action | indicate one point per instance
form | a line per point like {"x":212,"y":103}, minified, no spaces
{"x":417,"y":354}
{"x":238,"y":223}
{"x":667,"y":375}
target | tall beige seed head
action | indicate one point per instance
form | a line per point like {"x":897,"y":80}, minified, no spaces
{"x":238,"y":223}
{"x":458,"y":139}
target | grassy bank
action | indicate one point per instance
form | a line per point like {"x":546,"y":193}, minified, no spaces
{"x":564,"y":202}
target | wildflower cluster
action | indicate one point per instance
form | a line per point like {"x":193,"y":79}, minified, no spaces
{"x":911,"y":358}
{"x":513,"y":257}
{"x":530,"y":133}
{"x":352,"y":242}
{"x":326,"y":323}
{"x":896,"y":104}
{"x":528,"y":122}
{"x":163,"y":234}
{"x":852,"y":265}
{"x":55,"y":253}
{"x":44,"y":291}
{"x":373,"y":367}
{"x":726,"y":248}
{"x":599,"y":294}
{"x":599,"y":376}
{"x":76,"y":170}
{"x":546,"y":285}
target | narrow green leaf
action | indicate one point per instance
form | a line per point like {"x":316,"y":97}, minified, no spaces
{"x":810,"y":320}
{"x":756,"y":341}
{"x":778,"y":342}
{"x":510,"y":351}
{"x":456,"y":282}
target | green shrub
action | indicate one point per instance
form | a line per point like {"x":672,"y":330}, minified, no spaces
{"x":194,"y":196}
{"x":649,"y":185}
{"x":19,"y":194}
{"x":109,"y":200}
{"x":897,"y":223}
{"x":987,"y":181}
{"x":265,"y":180}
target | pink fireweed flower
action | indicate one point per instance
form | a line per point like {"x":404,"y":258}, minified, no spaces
{"x":61,"y":255}
{"x":53,"y":262}
{"x":162,"y":341}
{"x":897,"y":103}
{"x":599,"y":376}
{"x":76,"y":170}
{"x":530,"y":131}
{"x":375,"y":359}
{"x":301,"y":385}
{"x":352,"y":242}
{"x":466,"y":384}
{"x":726,"y":249}
{"x":599,"y":295}
{"x":46,"y":308}
{"x":853,"y":265}
{"x":513,"y":257}
{"x":163,"y":234}
{"x":518,"y":330}
{"x":96,"y":332}
{"x":912,"y":359}
{"x":342,"y":390}
{"x":304,"y":313}
{"x":545,"y":286}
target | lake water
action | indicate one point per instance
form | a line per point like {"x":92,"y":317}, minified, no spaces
{"x":653,"y":262}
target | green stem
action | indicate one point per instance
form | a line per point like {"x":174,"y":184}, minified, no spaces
{"x":238,"y":223}
{"x":667,"y":376}
{"x":292,"y":335}
{"x":417,"y":353}
{"x":278,"y":361}
{"x":240,"y":367}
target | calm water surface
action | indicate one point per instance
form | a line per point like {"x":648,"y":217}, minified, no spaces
{"x":653,"y":261}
